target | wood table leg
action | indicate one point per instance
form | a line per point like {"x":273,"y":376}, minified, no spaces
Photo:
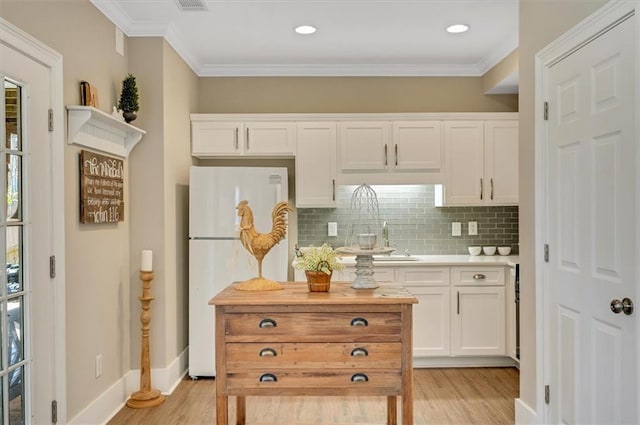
{"x":241,"y":410}
{"x":392,"y":411}
{"x":222,"y":410}
{"x":407,"y":406}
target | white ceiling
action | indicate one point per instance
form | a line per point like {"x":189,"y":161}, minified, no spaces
{"x":354,"y":37}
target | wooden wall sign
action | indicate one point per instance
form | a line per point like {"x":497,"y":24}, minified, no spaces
{"x":101,"y":188}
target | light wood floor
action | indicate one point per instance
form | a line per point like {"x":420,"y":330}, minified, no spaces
{"x":441,"y":396}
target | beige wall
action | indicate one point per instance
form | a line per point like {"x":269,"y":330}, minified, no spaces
{"x":540,"y":23}
{"x":349,"y":94}
{"x":503,"y":69}
{"x":180,"y":98}
{"x":97,"y":256}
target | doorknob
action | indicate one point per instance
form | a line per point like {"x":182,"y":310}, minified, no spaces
{"x":625,"y":306}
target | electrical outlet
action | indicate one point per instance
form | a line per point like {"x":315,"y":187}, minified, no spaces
{"x":332,"y":228}
{"x":473,"y":228}
{"x":98,"y":366}
{"x":456,"y":229}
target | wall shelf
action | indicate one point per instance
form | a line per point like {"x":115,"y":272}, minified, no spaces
{"x":92,"y":128}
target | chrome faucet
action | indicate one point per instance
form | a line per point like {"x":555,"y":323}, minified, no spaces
{"x":385,"y":233}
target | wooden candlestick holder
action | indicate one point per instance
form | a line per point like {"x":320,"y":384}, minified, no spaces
{"x":146,"y":397}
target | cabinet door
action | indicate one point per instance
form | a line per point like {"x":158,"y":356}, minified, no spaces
{"x":417,"y":145}
{"x":478,"y":320}
{"x":215,"y":138}
{"x":464,"y":159}
{"x":431,"y":320}
{"x":269,"y":138}
{"x":316,"y":165}
{"x":501,"y":161}
{"x":364,"y":145}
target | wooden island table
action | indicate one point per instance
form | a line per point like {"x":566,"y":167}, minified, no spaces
{"x":293,"y":342}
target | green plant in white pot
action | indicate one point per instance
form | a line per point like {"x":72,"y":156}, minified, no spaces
{"x":318,"y":265}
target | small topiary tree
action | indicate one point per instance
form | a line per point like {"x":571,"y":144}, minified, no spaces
{"x":129,"y":95}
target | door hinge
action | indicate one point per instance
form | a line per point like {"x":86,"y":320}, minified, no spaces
{"x":547,"y":394}
{"x":50,"y":119}
{"x":52,"y":266}
{"x":546,"y":253}
{"x":546,"y":111}
{"x":54,"y":412}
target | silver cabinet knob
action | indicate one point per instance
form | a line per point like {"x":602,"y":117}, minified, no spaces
{"x":625,"y":306}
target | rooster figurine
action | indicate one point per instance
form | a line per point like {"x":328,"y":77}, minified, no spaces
{"x":259,"y":244}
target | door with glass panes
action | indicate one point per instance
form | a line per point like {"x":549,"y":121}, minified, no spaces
{"x":27,"y":349}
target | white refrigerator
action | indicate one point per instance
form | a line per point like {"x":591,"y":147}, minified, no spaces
{"x":216,"y":256}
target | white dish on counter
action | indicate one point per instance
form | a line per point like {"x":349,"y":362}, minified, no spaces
{"x":504,"y":250}
{"x":489,"y":250}
{"x":475,"y":250}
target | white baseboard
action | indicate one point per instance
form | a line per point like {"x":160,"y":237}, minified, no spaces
{"x":103,"y":408}
{"x":525,"y":415}
{"x":427,"y":362}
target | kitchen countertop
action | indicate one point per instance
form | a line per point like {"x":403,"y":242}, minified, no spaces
{"x":439,"y":260}
{"x":442,"y":260}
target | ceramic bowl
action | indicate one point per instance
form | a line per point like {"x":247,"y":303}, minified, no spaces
{"x":504,"y":250}
{"x":474,"y":250}
{"x":489,"y":250}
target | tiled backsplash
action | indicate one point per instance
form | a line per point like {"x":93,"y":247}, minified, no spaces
{"x":414,"y":222}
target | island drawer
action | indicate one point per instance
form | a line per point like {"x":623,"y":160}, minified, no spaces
{"x":246,"y":356}
{"x":313,"y":327}
{"x":360,"y":381}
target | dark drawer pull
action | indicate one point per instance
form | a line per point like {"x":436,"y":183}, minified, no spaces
{"x":359,"y":377}
{"x":268,"y":377}
{"x":268,"y":352}
{"x":267,"y":323}
{"x":359,"y":352}
{"x":479,"y":276}
{"x":359,"y":321}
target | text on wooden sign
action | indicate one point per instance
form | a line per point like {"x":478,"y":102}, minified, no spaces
{"x":101,"y":188}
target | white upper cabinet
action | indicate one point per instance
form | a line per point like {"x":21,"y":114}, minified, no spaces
{"x":464,"y":156}
{"x":364,"y":145}
{"x":316,"y":164}
{"x":269,"y":138}
{"x":481,"y":162}
{"x":417,"y":145}
{"x":215,"y":138}
{"x":501,"y":161}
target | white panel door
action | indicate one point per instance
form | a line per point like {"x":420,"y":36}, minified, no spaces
{"x":316,"y":164}
{"x":591,"y":196}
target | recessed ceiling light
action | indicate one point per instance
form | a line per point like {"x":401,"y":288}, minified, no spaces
{"x":458,"y":28}
{"x":305,"y":29}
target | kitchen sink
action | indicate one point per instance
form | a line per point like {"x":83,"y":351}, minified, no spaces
{"x":394,"y":258}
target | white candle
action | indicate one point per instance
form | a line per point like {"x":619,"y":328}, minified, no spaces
{"x":146,"y":262}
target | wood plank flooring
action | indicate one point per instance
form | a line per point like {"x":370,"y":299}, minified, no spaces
{"x":441,"y":396}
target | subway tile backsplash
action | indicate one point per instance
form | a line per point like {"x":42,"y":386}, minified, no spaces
{"x":414,"y":222}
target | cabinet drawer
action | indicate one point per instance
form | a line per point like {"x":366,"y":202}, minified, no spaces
{"x":483,"y":276}
{"x":310,"y":382}
{"x":313,"y":327}
{"x":427,"y":276}
{"x":251,"y":356}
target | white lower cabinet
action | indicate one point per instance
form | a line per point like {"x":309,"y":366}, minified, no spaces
{"x":431,"y":330}
{"x":478,"y":325}
{"x":478,"y":311}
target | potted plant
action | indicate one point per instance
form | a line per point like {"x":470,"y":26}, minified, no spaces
{"x":318,"y":265}
{"x":129,"y":98}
